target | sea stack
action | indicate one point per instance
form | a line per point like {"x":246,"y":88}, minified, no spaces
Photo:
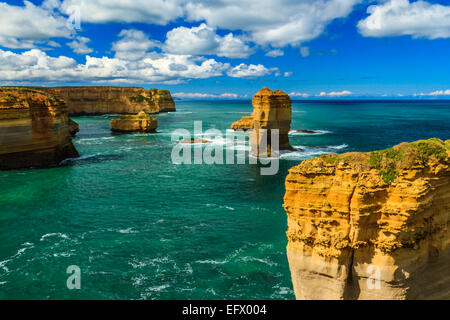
{"x":371,"y":225}
{"x":271,"y":110}
{"x":139,"y":123}
{"x":34,"y":129}
{"x":113,"y":100}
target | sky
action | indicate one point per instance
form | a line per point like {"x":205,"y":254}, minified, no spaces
{"x":229,"y":49}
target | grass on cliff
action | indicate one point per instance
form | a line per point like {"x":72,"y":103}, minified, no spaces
{"x":390,"y":162}
{"x":139,"y":99}
{"x":49,"y":96}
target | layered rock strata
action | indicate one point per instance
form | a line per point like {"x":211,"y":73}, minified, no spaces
{"x":34,"y":129}
{"x":140,"y":123}
{"x":74,"y":128}
{"x":245,"y":123}
{"x":371,"y":225}
{"x":113,"y":100}
{"x":271,"y":110}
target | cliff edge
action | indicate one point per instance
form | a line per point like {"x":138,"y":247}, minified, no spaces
{"x":113,"y":100}
{"x":371,"y":225}
{"x":34,"y":129}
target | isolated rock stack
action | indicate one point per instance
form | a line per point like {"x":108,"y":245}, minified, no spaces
{"x":271,"y":110}
{"x":140,"y":123}
{"x":34,"y":129}
{"x":371,"y":225}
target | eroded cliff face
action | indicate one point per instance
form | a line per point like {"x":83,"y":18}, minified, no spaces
{"x":371,"y":225}
{"x":34,"y":129}
{"x":112,"y":100}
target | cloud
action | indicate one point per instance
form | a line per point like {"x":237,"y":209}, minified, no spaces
{"x":299,"y":94}
{"x":79,"y":45}
{"x":249,"y":71}
{"x":335,"y":94}
{"x":275,"y":53}
{"x":152,"y":12}
{"x":36,"y":66}
{"x":23,"y":26}
{"x":132,"y":45}
{"x":418,"y":19}
{"x":435,"y":93}
{"x":184,"y":95}
{"x":275,"y":22}
{"x":288,"y":74}
{"x":203,"y":40}
{"x":304,"y":52}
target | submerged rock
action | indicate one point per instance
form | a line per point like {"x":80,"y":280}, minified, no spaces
{"x":371,"y":225}
{"x":34,"y":129}
{"x":192,"y":140}
{"x":141,"y":123}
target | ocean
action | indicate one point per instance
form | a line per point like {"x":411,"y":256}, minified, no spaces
{"x":139,"y":226}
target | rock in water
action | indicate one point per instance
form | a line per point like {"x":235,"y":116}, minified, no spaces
{"x":246,"y":123}
{"x":371,"y":225}
{"x":34,"y":129}
{"x":192,"y":140}
{"x":141,"y":123}
{"x":271,"y":110}
{"x":113,"y":100}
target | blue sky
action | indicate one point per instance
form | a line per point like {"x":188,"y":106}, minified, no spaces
{"x":230,"y":49}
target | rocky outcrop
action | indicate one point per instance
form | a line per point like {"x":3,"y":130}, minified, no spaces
{"x":113,"y":100}
{"x":140,"y":123}
{"x":271,"y":110}
{"x":371,"y":225}
{"x":193,"y":140}
{"x":34,"y":129}
{"x":246,"y":123}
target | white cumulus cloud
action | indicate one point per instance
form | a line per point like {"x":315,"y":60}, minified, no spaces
{"x":275,"y":22}
{"x":203,"y":40}
{"x":23,"y":26}
{"x":336,"y":94}
{"x":275,"y":53}
{"x":418,"y":19}
{"x":101,"y":11}
{"x":250,"y":71}
{"x":79,"y":45}
{"x":435,"y":93}
{"x":133,"y":44}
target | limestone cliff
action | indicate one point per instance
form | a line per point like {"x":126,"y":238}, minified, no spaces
{"x":140,"y":123}
{"x":371,"y":225}
{"x":111,"y":100}
{"x":34,"y":129}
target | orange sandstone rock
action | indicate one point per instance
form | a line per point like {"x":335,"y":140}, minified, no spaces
{"x":371,"y":225}
{"x":142,"y":122}
{"x":34,"y":129}
{"x":271,"y":110}
{"x":113,"y":100}
{"x":246,"y":123}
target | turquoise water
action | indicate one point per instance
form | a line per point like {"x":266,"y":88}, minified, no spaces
{"x":140,"y":227}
